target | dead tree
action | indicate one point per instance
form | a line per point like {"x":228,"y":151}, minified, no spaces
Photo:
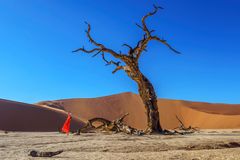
{"x":129,"y":63}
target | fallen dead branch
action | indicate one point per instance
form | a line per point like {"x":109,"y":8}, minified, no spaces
{"x":35,"y":153}
{"x":115,"y":126}
{"x":182,"y":129}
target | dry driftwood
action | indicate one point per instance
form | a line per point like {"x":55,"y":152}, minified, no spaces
{"x":114,"y":126}
{"x":182,"y":129}
{"x":117,"y":126}
{"x":35,"y":153}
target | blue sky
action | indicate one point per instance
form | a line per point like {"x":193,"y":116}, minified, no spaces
{"x":37,"y":38}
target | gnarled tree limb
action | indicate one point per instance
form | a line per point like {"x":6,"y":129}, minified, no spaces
{"x":99,"y":45}
{"x":144,"y":26}
{"x":165,"y":43}
{"x":114,"y":126}
{"x":117,"y":64}
{"x":147,"y":37}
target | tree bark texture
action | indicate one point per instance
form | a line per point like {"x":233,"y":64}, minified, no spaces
{"x":148,"y":96}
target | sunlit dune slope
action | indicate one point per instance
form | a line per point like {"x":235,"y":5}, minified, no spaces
{"x":196,"y":114}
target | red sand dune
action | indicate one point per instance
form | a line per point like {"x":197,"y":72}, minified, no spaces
{"x":25,"y":117}
{"x":196,"y":114}
{"x":16,"y":116}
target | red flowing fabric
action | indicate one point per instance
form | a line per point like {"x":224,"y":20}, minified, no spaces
{"x":66,"y":125}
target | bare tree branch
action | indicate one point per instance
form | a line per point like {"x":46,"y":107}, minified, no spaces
{"x":147,"y":37}
{"x":141,"y":46}
{"x":110,"y":62}
{"x":139,"y":26}
{"x":117,"y":64}
{"x":130,"y":48}
{"x":144,"y":26}
{"x":90,"y":37}
{"x":166,"y":44}
{"x":99,"y":45}
{"x":117,"y":69}
{"x":130,"y":52}
{"x":86,"y":51}
{"x":97,"y":53}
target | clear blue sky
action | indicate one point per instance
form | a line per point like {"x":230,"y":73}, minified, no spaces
{"x":37,"y":37}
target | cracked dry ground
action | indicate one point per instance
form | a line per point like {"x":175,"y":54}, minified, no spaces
{"x":207,"y":144}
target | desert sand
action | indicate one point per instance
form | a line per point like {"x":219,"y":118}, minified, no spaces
{"x":222,"y":142}
{"x":205,"y":145}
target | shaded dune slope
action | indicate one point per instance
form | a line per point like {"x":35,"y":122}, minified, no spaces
{"x":196,"y":114}
{"x":16,"y":116}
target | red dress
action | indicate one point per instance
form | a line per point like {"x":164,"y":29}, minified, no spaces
{"x":66,"y":125}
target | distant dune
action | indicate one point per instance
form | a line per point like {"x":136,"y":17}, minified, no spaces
{"x":40,"y":117}
{"x":16,"y":116}
{"x":195,"y":114}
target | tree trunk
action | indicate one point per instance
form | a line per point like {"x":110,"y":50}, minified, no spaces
{"x":147,"y":93}
{"x":148,"y":96}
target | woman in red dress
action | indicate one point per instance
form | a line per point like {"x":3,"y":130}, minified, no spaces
{"x":66,"y":125}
